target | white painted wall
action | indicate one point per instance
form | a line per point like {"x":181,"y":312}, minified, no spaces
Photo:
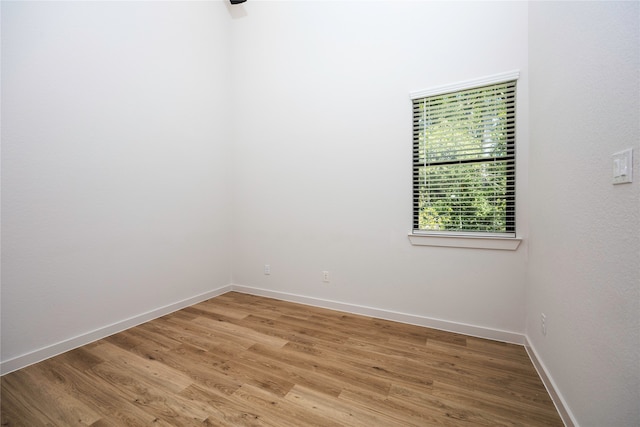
{"x":122,"y":193}
{"x":323,"y":152}
{"x":584,"y":267}
{"x":115,"y":154}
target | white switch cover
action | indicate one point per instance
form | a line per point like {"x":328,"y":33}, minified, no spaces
{"x":623,"y":166}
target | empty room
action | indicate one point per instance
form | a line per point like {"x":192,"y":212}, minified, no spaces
{"x":320,"y":213}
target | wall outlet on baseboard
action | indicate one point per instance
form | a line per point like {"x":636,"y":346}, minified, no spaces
{"x":543,"y":323}
{"x":325,"y":276}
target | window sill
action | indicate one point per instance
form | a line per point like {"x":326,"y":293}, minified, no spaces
{"x":496,"y":243}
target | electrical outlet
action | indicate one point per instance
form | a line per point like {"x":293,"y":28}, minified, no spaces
{"x":267,"y":269}
{"x":543,"y":323}
{"x":325,"y":276}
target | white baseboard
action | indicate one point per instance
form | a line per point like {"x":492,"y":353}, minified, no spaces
{"x":444,"y":325}
{"x":561,"y":405}
{"x":461,"y":328}
{"x":41,"y":354}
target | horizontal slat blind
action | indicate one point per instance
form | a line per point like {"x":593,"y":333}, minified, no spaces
{"x":464,"y":161}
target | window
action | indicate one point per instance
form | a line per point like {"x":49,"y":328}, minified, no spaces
{"x":464,"y":159}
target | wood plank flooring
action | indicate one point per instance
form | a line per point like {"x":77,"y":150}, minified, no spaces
{"x":243,"y":360}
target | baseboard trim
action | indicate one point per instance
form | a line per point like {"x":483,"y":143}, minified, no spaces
{"x":561,"y":405}
{"x":41,"y":354}
{"x":444,"y":325}
{"x":493,"y":334}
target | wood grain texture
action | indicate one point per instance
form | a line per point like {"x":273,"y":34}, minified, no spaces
{"x":243,"y":360}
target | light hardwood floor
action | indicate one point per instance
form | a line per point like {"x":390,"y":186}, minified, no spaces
{"x":242,"y":360}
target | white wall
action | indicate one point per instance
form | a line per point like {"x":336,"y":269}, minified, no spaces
{"x":323,"y":152}
{"x":584,"y":268}
{"x":120,"y":185}
{"x":115,"y":150}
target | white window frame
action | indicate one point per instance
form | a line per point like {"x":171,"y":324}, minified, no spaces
{"x":462,"y":240}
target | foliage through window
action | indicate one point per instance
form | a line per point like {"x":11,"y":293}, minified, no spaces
{"x":464,"y":161}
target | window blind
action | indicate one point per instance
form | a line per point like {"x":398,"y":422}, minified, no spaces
{"x":464,"y":161}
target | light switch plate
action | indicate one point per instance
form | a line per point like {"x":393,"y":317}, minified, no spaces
{"x":623,"y":166}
